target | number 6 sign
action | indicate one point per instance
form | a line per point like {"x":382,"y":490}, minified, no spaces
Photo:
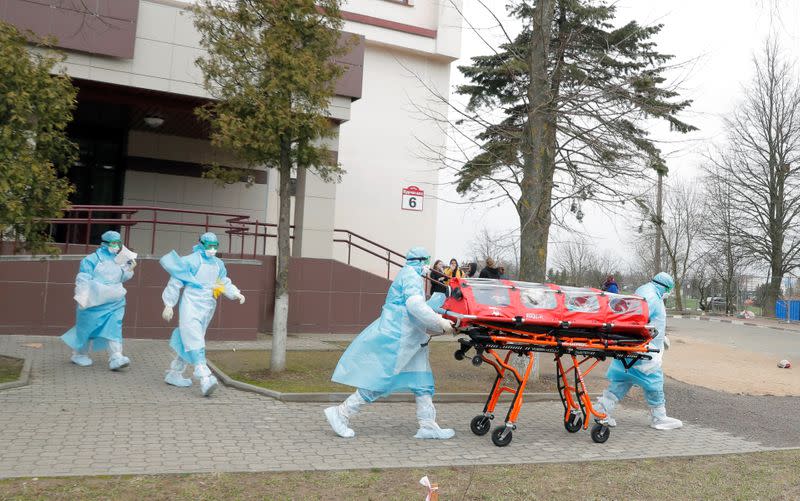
{"x":412,"y":198}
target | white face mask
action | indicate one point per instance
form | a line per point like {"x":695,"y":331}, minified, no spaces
{"x":426,"y":269}
{"x":113,"y":250}
{"x":211,"y":252}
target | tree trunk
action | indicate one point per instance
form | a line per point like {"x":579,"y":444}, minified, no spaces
{"x":773,"y":292}
{"x":281,"y":314}
{"x":729,"y":305}
{"x":538,"y":151}
{"x":678,"y":296}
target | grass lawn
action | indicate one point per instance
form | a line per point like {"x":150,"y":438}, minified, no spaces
{"x":310,"y":371}
{"x":10,"y":368}
{"x":768,"y":475}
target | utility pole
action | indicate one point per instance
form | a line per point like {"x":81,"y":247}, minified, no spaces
{"x":661,"y":169}
{"x":659,"y":220}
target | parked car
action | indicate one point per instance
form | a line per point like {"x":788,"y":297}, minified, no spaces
{"x":715,"y":303}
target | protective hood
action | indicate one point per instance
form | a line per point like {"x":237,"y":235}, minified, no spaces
{"x":418,"y":258}
{"x":663,"y":282}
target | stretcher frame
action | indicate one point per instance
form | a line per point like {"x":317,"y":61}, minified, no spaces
{"x":576,"y":353}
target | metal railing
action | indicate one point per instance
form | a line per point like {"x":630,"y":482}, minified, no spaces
{"x":79,"y":222}
{"x":389,"y":253}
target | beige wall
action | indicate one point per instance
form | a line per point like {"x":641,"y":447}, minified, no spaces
{"x":381,"y":149}
{"x":184,"y":192}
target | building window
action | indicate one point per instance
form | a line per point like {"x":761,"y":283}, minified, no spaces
{"x":409,"y":3}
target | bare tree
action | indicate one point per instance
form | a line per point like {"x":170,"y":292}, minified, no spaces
{"x":701,"y":281}
{"x":680,"y":230}
{"x":760,"y":169}
{"x":724,"y":257}
{"x":577,"y":263}
{"x":503,"y":248}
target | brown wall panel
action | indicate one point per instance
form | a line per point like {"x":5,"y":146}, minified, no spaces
{"x":59,"y":307}
{"x":23,"y":271}
{"x":22,"y":302}
{"x":106,"y":27}
{"x":37,"y":298}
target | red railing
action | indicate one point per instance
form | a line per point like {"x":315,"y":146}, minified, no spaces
{"x":79,"y":221}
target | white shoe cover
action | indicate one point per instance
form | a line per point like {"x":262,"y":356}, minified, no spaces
{"x":338,"y":422}
{"x":666,"y":423}
{"x":208,"y":384}
{"x":175,"y":378}
{"x":81,"y":360}
{"x":426,"y":415}
{"x":118,"y":362}
{"x":606,"y":404}
{"x":660,"y":421}
{"x":435,"y":433}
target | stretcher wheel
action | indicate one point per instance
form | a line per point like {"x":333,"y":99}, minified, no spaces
{"x":496,"y":436}
{"x":600,"y":433}
{"x":480,"y":425}
{"x":574,"y":423}
{"x":477,"y":360}
{"x":459,"y":355}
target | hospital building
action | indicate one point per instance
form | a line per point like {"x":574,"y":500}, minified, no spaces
{"x":143,"y":152}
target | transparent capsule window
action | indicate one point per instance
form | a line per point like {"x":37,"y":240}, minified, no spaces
{"x":586,"y":302}
{"x":538,"y":298}
{"x":491,"y":295}
{"x":623,"y":305}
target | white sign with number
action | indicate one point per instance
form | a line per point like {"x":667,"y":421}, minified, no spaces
{"x":412,"y":198}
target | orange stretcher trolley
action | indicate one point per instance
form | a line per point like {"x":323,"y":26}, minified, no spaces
{"x":579,"y":326}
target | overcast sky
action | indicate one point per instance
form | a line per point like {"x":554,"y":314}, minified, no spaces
{"x":717,"y":40}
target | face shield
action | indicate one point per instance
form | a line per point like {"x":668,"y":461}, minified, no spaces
{"x":114,"y":246}
{"x":421,"y":264}
{"x":210,"y":248}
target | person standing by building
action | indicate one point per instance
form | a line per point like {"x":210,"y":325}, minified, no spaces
{"x":391,"y":354}
{"x":454,"y":270}
{"x":203,"y":278}
{"x":438,"y":278}
{"x":101,"y":303}
{"x":490,"y":270}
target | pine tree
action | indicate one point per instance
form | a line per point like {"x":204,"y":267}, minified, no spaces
{"x":570,"y":94}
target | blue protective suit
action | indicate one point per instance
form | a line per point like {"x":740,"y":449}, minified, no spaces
{"x":646,"y":374}
{"x":199,"y":275}
{"x":388,"y":356}
{"x":98,"y":286}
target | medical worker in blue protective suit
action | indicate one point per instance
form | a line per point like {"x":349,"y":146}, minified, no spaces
{"x":391,"y":354}
{"x":203,"y":278}
{"x":101,"y":304}
{"x":646,"y":374}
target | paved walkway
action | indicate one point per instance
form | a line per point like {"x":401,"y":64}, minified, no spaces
{"x":90,"y":421}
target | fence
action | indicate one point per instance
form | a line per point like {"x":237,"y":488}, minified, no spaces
{"x":701,"y":294}
{"x":151,"y":228}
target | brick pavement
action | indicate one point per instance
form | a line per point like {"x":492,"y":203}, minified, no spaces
{"x":77,"y":421}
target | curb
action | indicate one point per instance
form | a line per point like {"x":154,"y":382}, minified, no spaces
{"x":336,"y":397}
{"x":735,"y":322}
{"x":24,"y":376}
